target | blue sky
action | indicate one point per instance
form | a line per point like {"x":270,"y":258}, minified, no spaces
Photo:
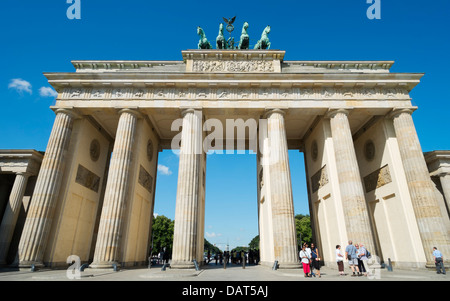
{"x":37,"y":37}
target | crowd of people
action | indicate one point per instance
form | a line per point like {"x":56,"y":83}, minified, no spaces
{"x":234,"y":257}
{"x":357,"y":257}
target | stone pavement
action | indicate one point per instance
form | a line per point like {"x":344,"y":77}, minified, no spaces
{"x":214,"y":282}
{"x":212,"y":272}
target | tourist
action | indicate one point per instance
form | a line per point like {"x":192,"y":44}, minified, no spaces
{"x":362,"y":259}
{"x":439,"y":261}
{"x":350,"y":255}
{"x":308,"y":250}
{"x":340,"y":260}
{"x":315,"y":260}
{"x":305,"y":258}
{"x":161,"y":256}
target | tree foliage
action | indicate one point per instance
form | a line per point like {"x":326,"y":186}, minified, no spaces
{"x":162,"y":234}
{"x":303,"y":229}
{"x":254,"y":244}
{"x":211,"y":248}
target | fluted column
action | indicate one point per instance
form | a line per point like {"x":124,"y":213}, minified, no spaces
{"x":425,"y":203}
{"x":11,"y":214}
{"x":108,"y":238}
{"x":352,"y":193}
{"x":40,"y":213}
{"x":445,"y":184}
{"x":284,"y":232}
{"x":188,"y":198}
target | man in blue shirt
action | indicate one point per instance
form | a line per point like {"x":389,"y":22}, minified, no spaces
{"x":439,"y":261}
{"x":350,"y":255}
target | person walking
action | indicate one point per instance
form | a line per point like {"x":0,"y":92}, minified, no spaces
{"x":305,"y":259}
{"x":315,"y":260}
{"x":350,"y":255}
{"x":362,"y":259}
{"x":358,"y":256}
{"x":340,"y":260}
{"x":439,"y":261}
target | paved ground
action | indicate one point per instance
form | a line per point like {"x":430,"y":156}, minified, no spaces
{"x":212,"y":272}
{"x":214,"y":282}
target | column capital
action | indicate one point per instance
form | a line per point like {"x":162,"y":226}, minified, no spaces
{"x":271,"y":111}
{"x":134,"y":111}
{"x":23,"y":173}
{"x":68,"y":111}
{"x":334,"y":111}
{"x":185,"y":111}
{"x":397,"y":111}
{"x":442,"y":174}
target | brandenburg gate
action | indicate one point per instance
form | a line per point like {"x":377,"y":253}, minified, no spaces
{"x":353,"y":120}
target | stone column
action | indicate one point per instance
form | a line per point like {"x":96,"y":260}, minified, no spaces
{"x":356,"y":214}
{"x":425,"y":204}
{"x":11,"y":214}
{"x":188,"y":198}
{"x":445,"y":184}
{"x":108,"y":238}
{"x":284,"y":232}
{"x":40,"y":213}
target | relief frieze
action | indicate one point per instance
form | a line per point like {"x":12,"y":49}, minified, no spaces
{"x":225,"y":93}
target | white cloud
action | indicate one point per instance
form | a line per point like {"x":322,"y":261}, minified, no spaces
{"x":20,"y":85}
{"x":212,"y":234}
{"x":47,"y":92}
{"x":164,"y":170}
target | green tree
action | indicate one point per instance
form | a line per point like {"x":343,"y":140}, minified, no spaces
{"x":254,"y":244}
{"x":239,"y":249}
{"x":213,"y":249}
{"x":303,"y":229}
{"x":162,"y":234}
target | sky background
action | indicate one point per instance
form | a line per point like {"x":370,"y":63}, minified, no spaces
{"x":37,"y":37}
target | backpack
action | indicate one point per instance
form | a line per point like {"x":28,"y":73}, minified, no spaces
{"x":368,"y":255}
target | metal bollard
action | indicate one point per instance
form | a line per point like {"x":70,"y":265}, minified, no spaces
{"x":275,"y":265}
{"x":197,"y":268}
{"x":389,"y":265}
{"x":83,"y":267}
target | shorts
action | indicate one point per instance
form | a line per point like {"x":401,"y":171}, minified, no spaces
{"x":353,"y":261}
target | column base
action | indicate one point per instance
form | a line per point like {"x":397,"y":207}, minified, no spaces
{"x":281,"y":265}
{"x":182,"y":265}
{"x":288,"y":265}
{"x":28,"y":264}
{"x":104,"y":265}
